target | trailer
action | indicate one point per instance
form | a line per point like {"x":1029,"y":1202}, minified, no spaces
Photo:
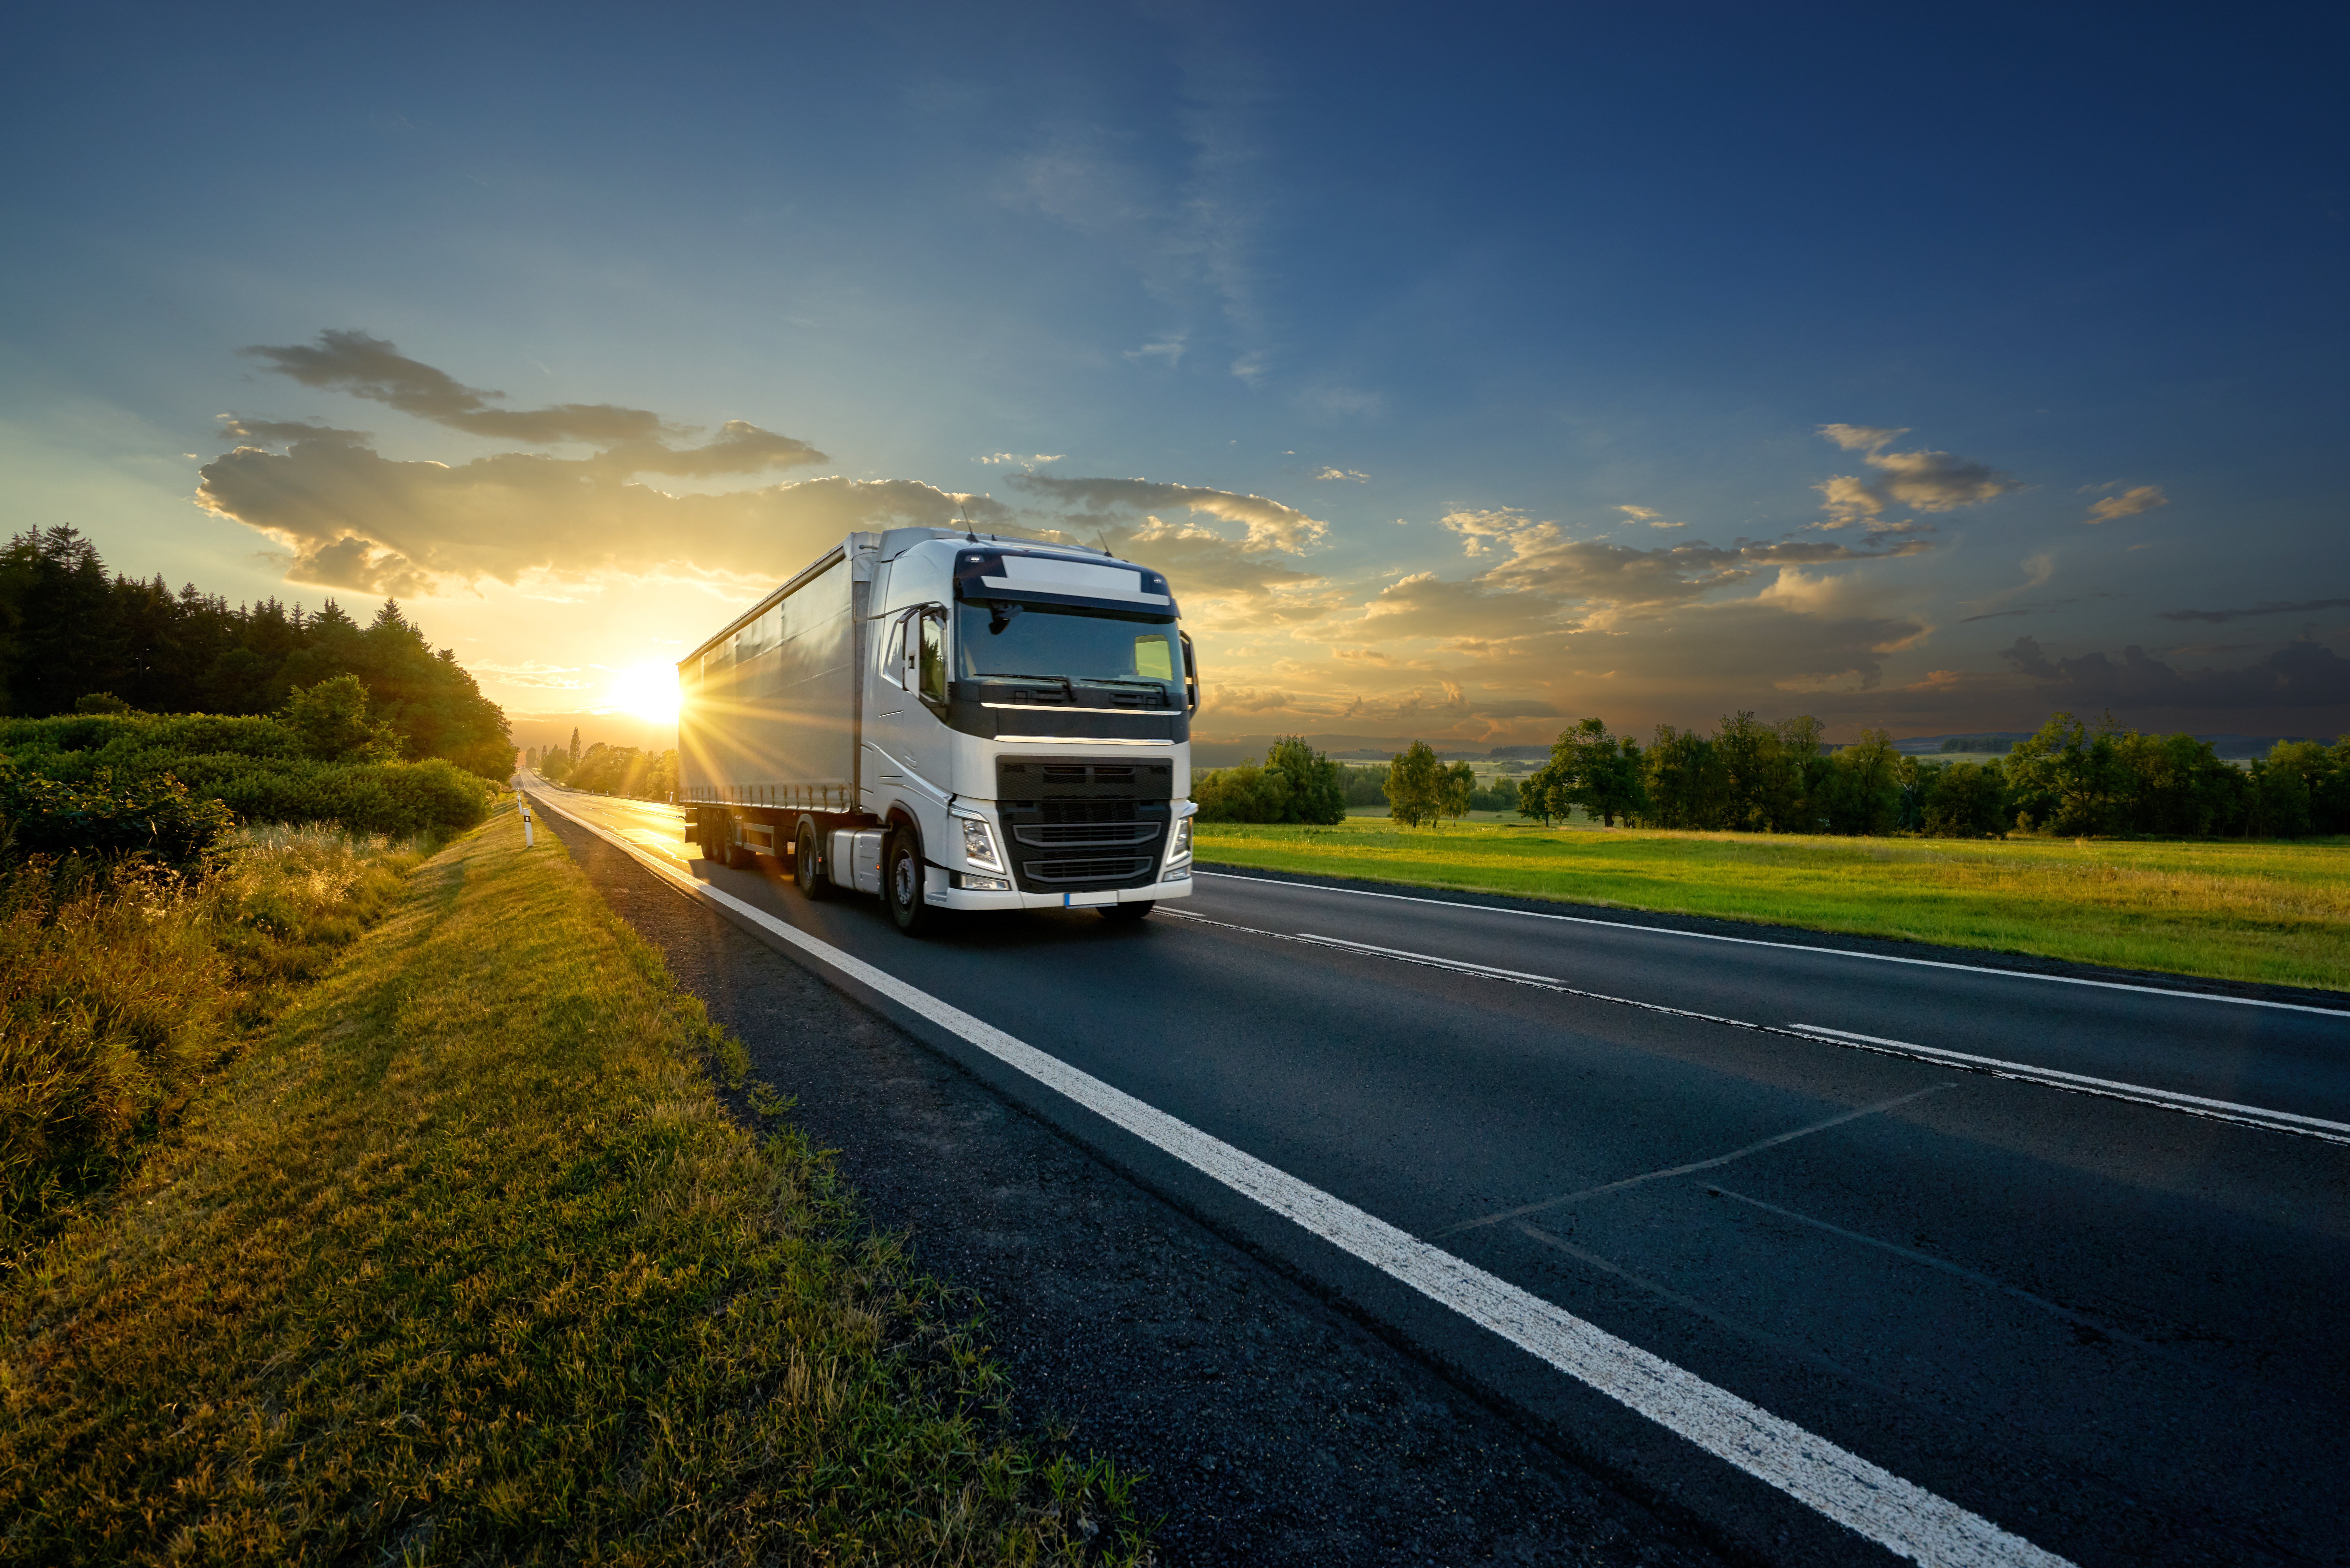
{"x":950,"y":723}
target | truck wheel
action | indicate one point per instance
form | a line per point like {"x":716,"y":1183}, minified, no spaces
{"x":739,"y":855}
{"x":805,"y":871}
{"x":1126,"y":914}
{"x":901,"y":884}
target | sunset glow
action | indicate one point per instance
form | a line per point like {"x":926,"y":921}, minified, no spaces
{"x":647,"y":691}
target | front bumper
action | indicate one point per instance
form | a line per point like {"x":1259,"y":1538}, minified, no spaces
{"x":943,"y":896}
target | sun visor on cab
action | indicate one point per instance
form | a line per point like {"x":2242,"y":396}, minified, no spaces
{"x":1006,"y":576}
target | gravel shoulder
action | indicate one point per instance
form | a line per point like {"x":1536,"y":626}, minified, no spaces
{"x":1272,"y":1428}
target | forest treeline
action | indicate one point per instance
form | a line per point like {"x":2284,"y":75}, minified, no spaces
{"x":71,"y":631}
{"x":2070,"y":778}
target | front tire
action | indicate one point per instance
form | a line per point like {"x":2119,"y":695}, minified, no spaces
{"x":901,"y":886}
{"x":1127,"y":914}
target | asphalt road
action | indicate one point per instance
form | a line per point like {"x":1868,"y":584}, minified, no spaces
{"x":2108,"y":1322}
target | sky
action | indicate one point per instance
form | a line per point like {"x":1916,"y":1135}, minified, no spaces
{"x":1469,"y":370}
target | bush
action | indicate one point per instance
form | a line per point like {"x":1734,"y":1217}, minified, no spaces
{"x":1295,"y":784}
{"x":153,"y":817}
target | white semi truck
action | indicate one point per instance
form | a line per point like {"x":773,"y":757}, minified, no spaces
{"x":951,"y":722}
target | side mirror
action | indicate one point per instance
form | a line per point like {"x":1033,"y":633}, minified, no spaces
{"x":1191,"y":675}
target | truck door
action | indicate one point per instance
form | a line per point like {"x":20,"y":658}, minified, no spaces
{"x":907,"y":739}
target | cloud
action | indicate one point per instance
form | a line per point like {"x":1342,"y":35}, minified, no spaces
{"x":2303,"y":674}
{"x":2128,"y":503}
{"x":994,"y":459}
{"x":1654,"y":519}
{"x":1922,"y":481}
{"x":2267,"y":606}
{"x":1863,"y":438}
{"x":633,"y":441}
{"x":1481,"y":530}
{"x":1169,"y":349}
{"x":349,"y":517}
{"x":1271,"y":525}
{"x":1355,"y":474}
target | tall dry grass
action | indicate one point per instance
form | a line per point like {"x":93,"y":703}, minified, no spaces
{"x":123,"y":988}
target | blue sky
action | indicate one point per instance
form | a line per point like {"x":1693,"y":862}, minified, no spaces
{"x":1478,"y":373}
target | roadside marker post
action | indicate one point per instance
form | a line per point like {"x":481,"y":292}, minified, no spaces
{"x":529,"y":839}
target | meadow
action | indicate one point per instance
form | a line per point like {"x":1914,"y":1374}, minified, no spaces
{"x":2232,"y":909}
{"x":465,"y":1260}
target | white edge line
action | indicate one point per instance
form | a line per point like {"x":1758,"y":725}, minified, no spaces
{"x":1872,"y":1501}
{"x":1790,"y":947}
{"x":2338,"y":1132}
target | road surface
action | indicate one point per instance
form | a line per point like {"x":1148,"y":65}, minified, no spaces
{"x":1847,"y":1255}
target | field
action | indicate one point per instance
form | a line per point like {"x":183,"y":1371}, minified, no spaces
{"x":465,"y":1260}
{"x":2260,"y":910}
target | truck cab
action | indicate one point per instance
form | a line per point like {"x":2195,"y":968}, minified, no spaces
{"x":1018,"y":728}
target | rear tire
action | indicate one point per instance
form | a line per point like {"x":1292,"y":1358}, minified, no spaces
{"x":902,"y":875}
{"x":807,"y":870}
{"x":1127,"y":914}
{"x":739,"y":855}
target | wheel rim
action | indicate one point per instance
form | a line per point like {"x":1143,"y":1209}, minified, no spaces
{"x":902,"y":881}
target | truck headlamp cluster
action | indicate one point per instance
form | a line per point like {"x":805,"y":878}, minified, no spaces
{"x":979,"y":842}
{"x":1178,"y":867}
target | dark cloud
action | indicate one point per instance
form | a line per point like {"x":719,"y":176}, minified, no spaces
{"x":350,"y":517}
{"x":1923,"y":481}
{"x":279,"y":432}
{"x":2301,"y":676}
{"x":2267,"y":606}
{"x":634,"y":441}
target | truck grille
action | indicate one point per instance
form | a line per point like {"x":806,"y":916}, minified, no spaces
{"x":1068,"y":874}
{"x":1068,"y":805}
{"x":1058,"y":835}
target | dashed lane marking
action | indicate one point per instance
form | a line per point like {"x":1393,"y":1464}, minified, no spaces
{"x":1904,"y":1518}
{"x":1819,"y":1034}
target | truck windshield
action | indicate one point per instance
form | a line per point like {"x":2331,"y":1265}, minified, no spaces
{"x":1048,"y":642}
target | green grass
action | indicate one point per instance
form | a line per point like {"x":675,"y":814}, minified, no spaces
{"x":2259,"y":911}
{"x":466,"y":1262}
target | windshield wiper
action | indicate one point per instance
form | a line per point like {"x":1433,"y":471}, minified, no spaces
{"x":1067,"y":690}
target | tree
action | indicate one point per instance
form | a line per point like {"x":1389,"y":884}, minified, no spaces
{"x":1415,"y":786}
{"x":332,"y":720}
{"x":1965,"y":800}
{"x":2066,"y":778}
{"x":1311,"y":779}
{"x":1864,"y":787}
{"x":1684,"y":779}
{"x":575,"y":743}
{"x":1459,"y":791}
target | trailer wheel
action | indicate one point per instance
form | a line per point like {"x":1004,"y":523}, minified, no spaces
{"x":1126,"y":914}
{"x":740,"y":856}
{"x":901,"y":884}
{"x":805,"y":871}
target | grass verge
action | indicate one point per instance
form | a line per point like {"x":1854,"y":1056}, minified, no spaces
{"x":2265,"y":910}
{"x":467,"y":1262}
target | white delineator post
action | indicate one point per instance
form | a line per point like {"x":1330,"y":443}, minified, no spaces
{"x":529,"y":840}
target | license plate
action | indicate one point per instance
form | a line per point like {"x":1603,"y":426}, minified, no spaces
{"x":1085,"y":900}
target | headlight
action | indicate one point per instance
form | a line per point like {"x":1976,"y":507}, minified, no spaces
{"x":979,"y":844}
{"x":1178,"y":847}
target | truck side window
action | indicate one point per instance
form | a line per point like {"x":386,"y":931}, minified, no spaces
{"x":893,"y":663}
{"x":934,"y":657}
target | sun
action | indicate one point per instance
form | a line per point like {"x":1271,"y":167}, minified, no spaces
{"x":647,"y":691}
